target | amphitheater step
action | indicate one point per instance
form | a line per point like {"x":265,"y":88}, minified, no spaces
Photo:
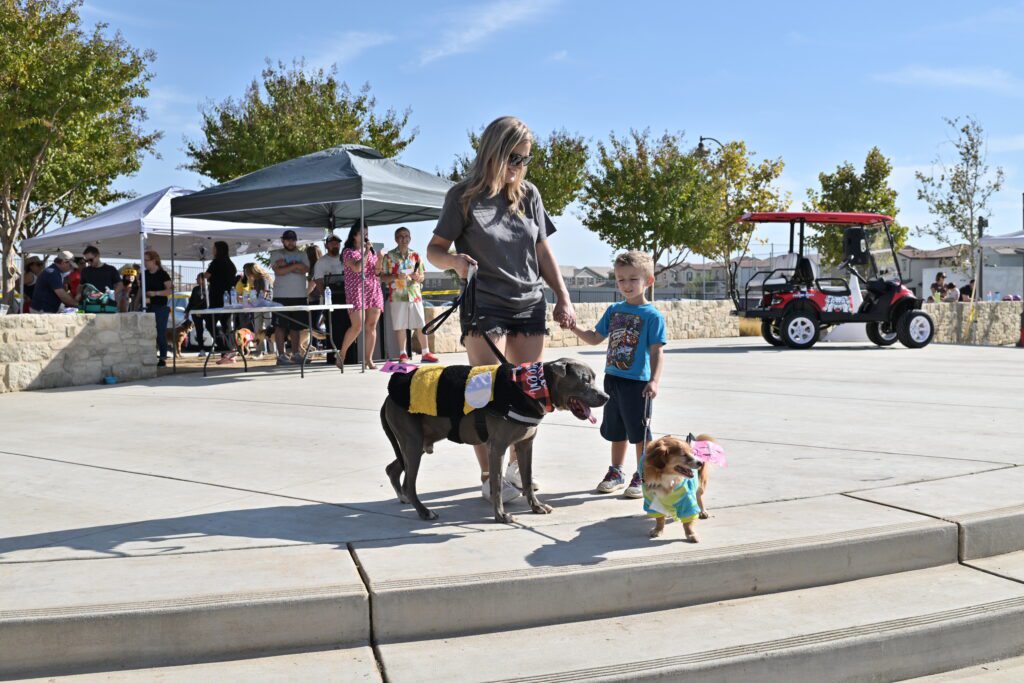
{"x":555,"y":573}
{"x":73,"y":616}
{"x":881,"y":628}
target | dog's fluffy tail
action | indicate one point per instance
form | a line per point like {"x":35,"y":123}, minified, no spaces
{"x":704,"y":437}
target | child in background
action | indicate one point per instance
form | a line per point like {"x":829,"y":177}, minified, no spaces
{"x":635,"y":330}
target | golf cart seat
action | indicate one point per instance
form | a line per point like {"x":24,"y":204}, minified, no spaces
{"x":779,"y":283}
{"x":834,"y":288}
{"x":804,"y":271}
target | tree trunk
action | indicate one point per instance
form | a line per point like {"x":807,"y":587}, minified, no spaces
{"x":9,"y":268}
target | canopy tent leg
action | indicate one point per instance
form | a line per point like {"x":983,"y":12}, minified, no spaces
{"x":362,"y":312}
{"x":174,"y":324}
{"x":142,"y":271}
{"x":24,"y":273}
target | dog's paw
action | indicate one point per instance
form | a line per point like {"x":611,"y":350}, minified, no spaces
{"x":505,"y":518}
{"x":429,"y":516}
{"x":542,"y":509}
{"x":402,"y":498}
{"x":692,"y":538}
{"x":656,"y":532}
{"x":703,"y":515}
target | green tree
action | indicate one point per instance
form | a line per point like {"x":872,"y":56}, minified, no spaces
{"x":738,"y":184}
{"x":648,"y":194}
{"x":848,"y":190}
{"x":70,"y":119}
{"x":294,"y":111}
{"x":558,"y":168}
{"x":958,"y":195}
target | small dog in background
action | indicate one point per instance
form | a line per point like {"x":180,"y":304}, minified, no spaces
{"x":244,"y":341}
{"x":675,"y":476}
{"x":179,"y":335}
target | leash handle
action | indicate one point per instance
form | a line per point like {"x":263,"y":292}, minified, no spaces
{"x":432,"y":326}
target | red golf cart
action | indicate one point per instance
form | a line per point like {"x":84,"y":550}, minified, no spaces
{"x":795,"y":306}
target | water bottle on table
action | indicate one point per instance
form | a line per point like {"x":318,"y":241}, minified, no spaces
{"x":328,"y":300}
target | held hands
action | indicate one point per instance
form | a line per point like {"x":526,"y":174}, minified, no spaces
{"x":565,"y":315}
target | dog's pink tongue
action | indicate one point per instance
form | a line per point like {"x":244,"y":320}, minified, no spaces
{"x":593,"y":420}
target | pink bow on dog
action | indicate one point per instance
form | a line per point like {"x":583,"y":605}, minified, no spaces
{"x":708,"y":451}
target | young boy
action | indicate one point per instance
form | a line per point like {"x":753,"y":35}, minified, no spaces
{"x":635,"y":330}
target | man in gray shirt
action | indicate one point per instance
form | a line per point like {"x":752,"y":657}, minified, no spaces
{"x":290,"y":267}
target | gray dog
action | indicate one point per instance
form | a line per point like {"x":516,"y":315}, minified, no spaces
{"x":511,"y":418}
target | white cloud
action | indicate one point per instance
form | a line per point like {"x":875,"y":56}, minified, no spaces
{"x":114,"y":18}
{"x":990,"y":79}
{"x":345,"y":47}
{"x":559,"y":56}
{"x":471,"y":28}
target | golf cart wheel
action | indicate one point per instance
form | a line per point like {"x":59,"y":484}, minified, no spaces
{"x":800,"y":330}
{"x":915,"y":329}
{"x":882,"y":334}
{"x":770,"y":332}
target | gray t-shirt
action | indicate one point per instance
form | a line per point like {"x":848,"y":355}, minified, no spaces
{"x":504,"y":245}
{"x":290,"y":285}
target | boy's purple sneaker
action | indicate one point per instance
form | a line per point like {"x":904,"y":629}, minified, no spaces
{"x":613,"y":481}
{"x":635,"y":488}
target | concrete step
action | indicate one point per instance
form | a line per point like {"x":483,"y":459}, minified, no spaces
{"x":884,"y":628}
{"x":93,"y":615}
{"x":988,"y":507}
{"x":555,"y":573}
{"x":1000,"y":671}
{"x":350,"y":664}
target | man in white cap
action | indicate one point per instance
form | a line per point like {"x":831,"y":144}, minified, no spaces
{"x":50,"y":292}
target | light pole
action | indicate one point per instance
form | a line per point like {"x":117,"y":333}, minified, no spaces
{"x":702,"y":152}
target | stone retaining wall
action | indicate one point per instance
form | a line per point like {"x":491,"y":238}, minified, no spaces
{"x":995,"y":323}
{"x":46,"y":351}
{"x":690,"y":319}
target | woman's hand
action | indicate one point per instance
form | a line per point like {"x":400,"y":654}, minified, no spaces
{"x":565,"y":314}
{"x":461,"y":264}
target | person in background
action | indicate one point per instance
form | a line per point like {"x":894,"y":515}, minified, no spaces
{"x":939,"y":288}
{"x":33,"y":267}
{"x":129,"y":299}
{"x":967,"y":291}
{"x":313,"y":253}
{"x":100,"y":275}
{"x":362,"y":295}
{"x":402,"y":271}
{"x":290,"y":268}
{"x":935,"y":295}
{"x":158,"y":289}
{"x":50,"y":291}
{"x":952,"y":294}
{"x":74,"y":279}
{"x":255,"y":283}
{"x":220,"y":276}
{"x":197,"y":302}
{"x":330,"y":264}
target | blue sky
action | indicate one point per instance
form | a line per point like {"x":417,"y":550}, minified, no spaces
{"x":815,"y":83}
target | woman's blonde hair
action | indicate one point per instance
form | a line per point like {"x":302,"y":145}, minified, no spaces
{"x":486,"y":175}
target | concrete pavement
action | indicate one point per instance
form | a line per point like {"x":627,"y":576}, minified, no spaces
{"x":156,"y":510}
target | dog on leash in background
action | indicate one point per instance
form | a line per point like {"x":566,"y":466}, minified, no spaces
{"x":179,"y":335}
{"x":676,"y":477}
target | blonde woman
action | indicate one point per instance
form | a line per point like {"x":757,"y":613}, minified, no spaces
{"x":496,"y":219}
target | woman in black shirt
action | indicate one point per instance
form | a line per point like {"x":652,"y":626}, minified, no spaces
{"x":158,"y":289}
{"x":221,"y":275}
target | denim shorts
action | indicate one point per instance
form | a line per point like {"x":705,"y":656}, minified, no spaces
{"x":623,"y":418}
{"x":496,"y":321}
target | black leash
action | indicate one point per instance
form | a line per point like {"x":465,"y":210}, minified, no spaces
{"x":432,"y":326}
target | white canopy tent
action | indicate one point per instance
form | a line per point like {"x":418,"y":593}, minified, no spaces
{"x":1013,"y":242}
{"x":125,"y":230}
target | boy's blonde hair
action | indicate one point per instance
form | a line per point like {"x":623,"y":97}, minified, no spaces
{"x":640,"y":260}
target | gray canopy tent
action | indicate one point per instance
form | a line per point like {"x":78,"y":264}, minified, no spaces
{"x":331,"y":187}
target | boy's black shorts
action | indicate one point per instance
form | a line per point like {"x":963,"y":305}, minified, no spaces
{"x":624,"y":417}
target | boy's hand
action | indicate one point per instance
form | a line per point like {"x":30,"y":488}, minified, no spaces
{"x":651,"y":390}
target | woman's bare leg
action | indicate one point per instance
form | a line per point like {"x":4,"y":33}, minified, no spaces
{"x":350,"y":335}
{"x":372,"y":315}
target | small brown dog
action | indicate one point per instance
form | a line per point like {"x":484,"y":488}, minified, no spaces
{"x":179,"y":335}
{"x":674,"y":484}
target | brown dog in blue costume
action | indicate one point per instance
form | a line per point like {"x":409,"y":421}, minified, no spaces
{"x":499,"y":405}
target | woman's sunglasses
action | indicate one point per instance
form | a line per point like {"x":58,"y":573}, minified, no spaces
{"x":519,"y":159}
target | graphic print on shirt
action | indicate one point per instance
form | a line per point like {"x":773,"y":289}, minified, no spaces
{"x":623,"y":339}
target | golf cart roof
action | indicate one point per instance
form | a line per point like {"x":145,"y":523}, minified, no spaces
{"x":819,"y":217}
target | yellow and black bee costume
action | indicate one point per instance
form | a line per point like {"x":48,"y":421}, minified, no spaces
{"x":459,"y":390}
